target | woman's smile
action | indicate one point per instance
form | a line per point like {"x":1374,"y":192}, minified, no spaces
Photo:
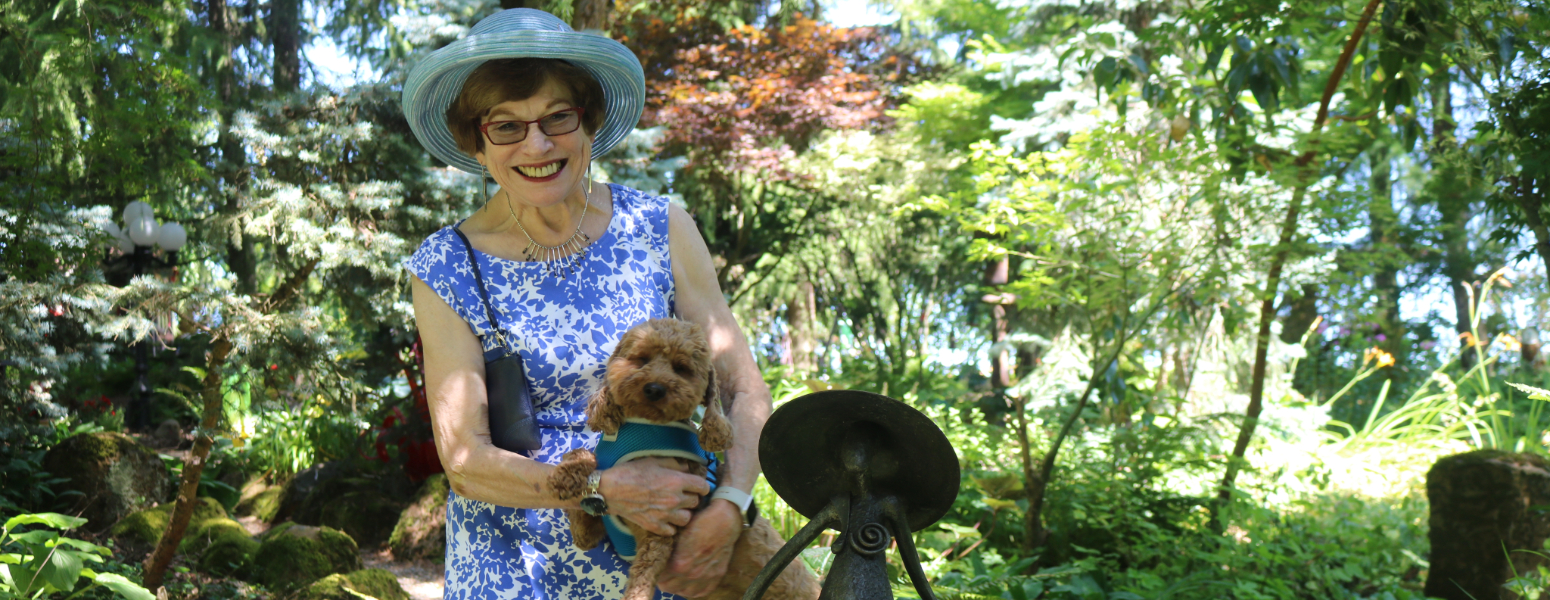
{"x":541,"y":172}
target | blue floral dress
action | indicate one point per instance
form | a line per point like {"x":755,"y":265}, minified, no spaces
{"x":566,"y":330}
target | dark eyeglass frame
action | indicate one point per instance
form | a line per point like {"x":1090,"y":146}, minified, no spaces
{"x":484,"y":129}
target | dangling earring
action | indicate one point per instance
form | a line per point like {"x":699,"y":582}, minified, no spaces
{"x":484,"y":180}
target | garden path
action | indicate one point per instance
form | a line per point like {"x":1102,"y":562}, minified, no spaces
{"x":423,"y":580}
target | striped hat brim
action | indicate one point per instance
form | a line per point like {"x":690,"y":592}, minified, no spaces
{"x":518,"y":33}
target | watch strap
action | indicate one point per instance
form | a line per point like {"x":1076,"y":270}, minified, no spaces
{"x":743,"y":500}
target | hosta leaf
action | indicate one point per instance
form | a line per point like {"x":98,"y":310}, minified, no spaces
{"x":55,"y":520}
{"x":124,"y":587}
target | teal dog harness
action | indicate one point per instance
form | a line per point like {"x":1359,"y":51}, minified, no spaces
{"x":639,"y":438}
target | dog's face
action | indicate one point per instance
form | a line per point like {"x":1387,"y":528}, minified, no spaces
{"x":660,"y":371}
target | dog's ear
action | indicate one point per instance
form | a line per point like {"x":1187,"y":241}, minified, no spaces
{"x":603,"y":413}
{"x":715,"y":430}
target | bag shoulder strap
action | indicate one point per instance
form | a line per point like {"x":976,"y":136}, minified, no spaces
{"x":484,"y":294}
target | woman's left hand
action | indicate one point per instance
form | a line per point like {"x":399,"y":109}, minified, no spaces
{"x":703,"y":551}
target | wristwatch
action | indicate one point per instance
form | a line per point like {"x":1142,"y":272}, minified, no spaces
{"x":741,"y":499}
{"x":593,"y":503}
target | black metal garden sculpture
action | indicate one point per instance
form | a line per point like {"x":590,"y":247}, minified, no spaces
{"x":870,"y":467}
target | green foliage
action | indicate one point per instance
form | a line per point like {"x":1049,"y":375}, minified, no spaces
{"x":40,"y":563}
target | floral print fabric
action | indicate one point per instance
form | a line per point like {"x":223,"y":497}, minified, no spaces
{"x":565,"y":330}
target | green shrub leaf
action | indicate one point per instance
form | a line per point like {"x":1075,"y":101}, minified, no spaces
{"x":124,"y":587}
{"x":55,"y":520}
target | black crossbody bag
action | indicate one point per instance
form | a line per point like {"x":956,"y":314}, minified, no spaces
{"x":512,"y":425}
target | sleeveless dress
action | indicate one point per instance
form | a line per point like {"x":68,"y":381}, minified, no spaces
{"x":566,"y":330}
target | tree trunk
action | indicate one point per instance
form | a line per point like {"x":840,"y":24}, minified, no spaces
{"x":1304,"y":311}
{"x":590,"y":14}
{"x":1033,"y":527}
{"x":239,"y":256}
{"x":286,"y":18}
{"x":1383,"y":245}
{"x":997,"y":274}
{"x":1278,"y":261}
{"x":801,"y":321}
{"x":1531,"y":200}
{"x":188,"y":490}
{"x":1455,"y":212}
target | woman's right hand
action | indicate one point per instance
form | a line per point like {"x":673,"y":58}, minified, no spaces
{"x":658,"y":498}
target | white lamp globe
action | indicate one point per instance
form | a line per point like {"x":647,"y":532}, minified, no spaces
{"x":134,"y":212}
{"x":120,"y":239}
{"x":172,"y":236}
{"x":143,"y":230}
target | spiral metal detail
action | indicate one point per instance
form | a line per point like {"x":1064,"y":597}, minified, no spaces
{"x":870,"y":539}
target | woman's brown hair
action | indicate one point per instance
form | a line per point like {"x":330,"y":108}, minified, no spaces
{"x":511,"y":79}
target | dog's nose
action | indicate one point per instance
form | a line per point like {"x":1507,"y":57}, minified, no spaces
{"x":654,"y":391}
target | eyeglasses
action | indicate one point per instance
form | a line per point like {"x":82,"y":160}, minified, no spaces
{"x":559,"y":122}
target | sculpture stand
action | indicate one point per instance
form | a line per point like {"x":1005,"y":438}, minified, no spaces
{"x":870,"y":467}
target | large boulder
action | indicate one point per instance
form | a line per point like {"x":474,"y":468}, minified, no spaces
{"x":292,"y":556}
{"x":1486,"y":505}
{"x":367,"y":515}
{"x":364,"y":504}
{"x":374,"y":583}
{"x":298,"y":488}
{"x":115,"y":475}
{"x":421,"y":531}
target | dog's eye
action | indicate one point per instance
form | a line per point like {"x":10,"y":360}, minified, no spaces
{"x":682,"y":369}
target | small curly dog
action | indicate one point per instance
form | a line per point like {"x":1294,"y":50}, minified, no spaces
{"x":658,"y":376}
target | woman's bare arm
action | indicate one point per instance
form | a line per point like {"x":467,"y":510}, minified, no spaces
{"x":653,"y":496}
{"x":700,"y":558}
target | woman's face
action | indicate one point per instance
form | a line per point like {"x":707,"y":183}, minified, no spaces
{"x":540,"y":170}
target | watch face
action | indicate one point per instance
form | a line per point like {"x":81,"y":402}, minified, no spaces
{"x":594,"y":505}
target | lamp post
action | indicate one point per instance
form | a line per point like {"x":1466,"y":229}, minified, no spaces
{"x":138,"y":241}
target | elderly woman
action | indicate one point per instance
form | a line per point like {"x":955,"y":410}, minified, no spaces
{"x":566,"y":266}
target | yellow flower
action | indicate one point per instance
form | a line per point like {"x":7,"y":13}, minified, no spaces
{"x":1468,"y":339}
{"x":1384,"y":359}
{"x":1509,"y":342}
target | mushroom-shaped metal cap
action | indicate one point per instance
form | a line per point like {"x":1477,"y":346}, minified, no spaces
{"x":812,"y":446}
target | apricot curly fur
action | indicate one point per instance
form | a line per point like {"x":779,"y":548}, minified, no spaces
{"x":673,"y":357}
{"x":585,"y":529}
{"x":603,"y":414}
{"x":569,"y":478}
{"x":715,"y":429}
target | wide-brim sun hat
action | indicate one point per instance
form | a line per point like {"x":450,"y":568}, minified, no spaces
{"x":522,"y":33}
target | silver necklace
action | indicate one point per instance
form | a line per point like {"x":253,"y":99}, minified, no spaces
{"x":562,"y":259}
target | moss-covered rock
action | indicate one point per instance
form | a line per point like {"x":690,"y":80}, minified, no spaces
{"x":261,"y":498}
{"x":146,"y":526}
{"x":304,"y":494}
{"x":293,"y":556}
{"x":223,"y":546}
{"x":375,"y":583}
{"x":421,"y":529}
{"x":115,"y":475}
{"x":367,"y":515}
